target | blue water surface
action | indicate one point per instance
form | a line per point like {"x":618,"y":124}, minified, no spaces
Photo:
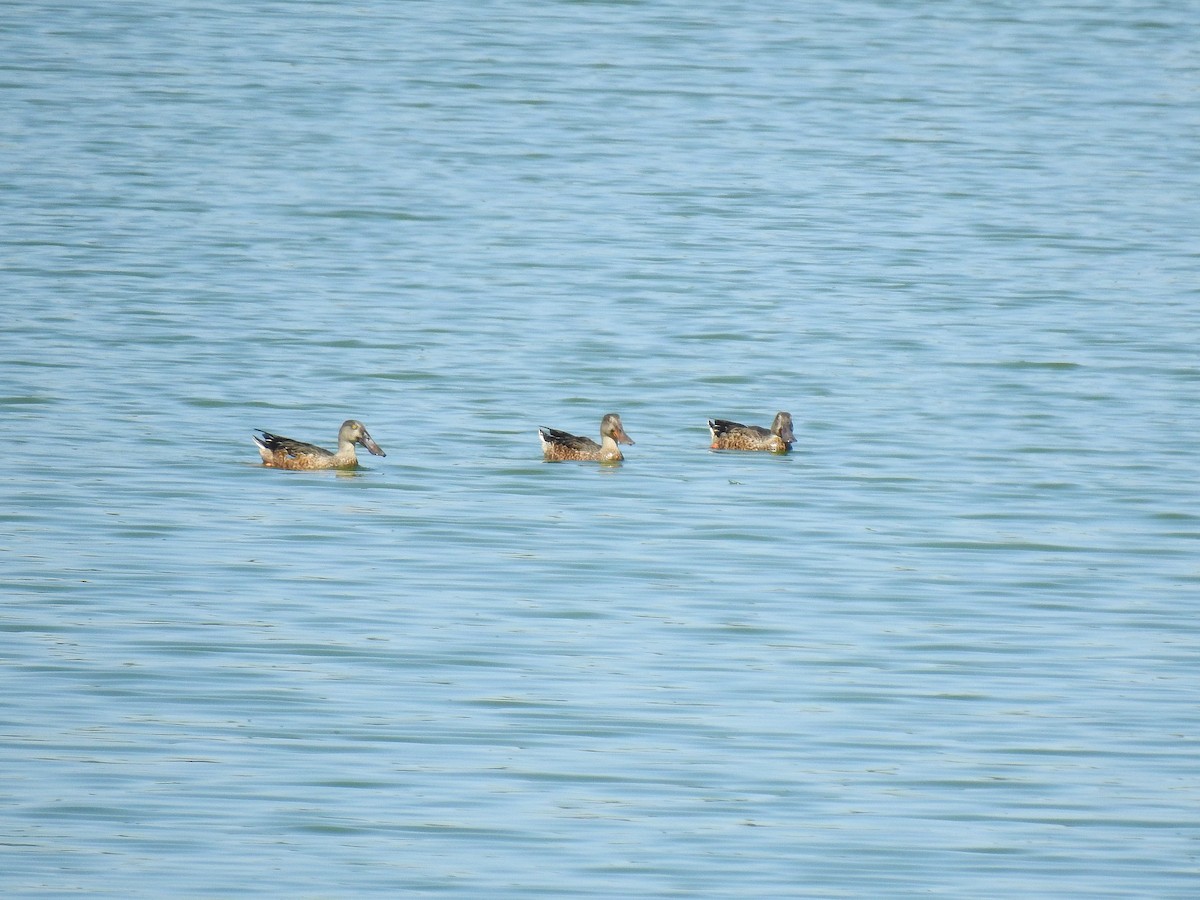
{"x":949,"y":646}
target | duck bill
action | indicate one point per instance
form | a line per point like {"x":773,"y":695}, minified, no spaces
{"x":786,"y":434}
{"x":373,"y":447}
{"x":621,"y":437}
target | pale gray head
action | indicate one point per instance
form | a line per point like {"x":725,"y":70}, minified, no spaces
{"x":355,"y":432}
{"x":610,"y":426}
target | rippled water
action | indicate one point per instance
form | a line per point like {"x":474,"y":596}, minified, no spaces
{"x":948,"y":646}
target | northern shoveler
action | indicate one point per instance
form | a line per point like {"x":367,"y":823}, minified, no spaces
{"x":559,"y":445}
{"x":285,"y":453}
{"x":728,"y":435}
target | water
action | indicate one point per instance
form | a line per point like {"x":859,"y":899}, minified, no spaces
{"x":947,"y":647}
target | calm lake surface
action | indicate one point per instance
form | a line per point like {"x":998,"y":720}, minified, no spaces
{"x":950,"y":646}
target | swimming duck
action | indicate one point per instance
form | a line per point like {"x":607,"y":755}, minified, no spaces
{"x":285,"y":453}
{"x":559,"y":445}
{"x":728,"y":435}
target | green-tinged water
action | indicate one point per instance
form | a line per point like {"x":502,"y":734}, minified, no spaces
{"x":948,"y":647}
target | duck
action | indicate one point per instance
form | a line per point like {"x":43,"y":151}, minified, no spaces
{"x":728,"y":435}
{"x":560,"y":445}
{"x":285,"y":453}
